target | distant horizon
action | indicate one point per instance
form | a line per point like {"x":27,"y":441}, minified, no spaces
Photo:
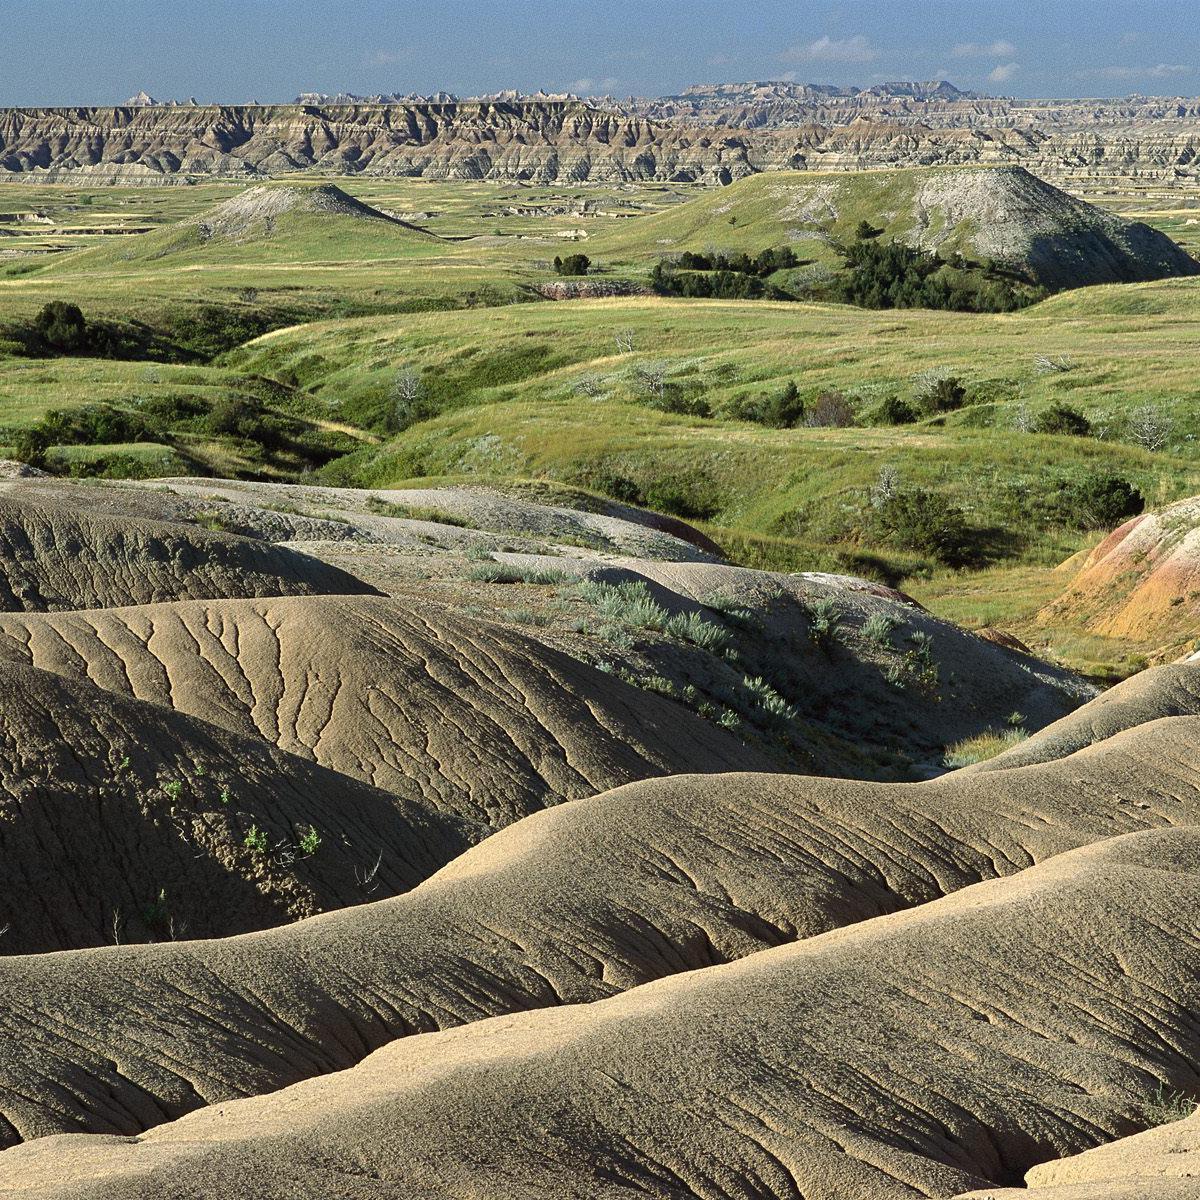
{"x":65,"y":53}
{"x":395,"y":95}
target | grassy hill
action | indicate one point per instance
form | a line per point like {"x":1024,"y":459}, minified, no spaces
{"x":998,"y":214}
{"x":275,"y":223}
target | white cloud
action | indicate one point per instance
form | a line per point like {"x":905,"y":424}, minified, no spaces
{"x":1159,"y":71}
{"x":388,"y":58}
{"x":826,"y":49}
{"x":999,"y":49}
{"x":1004,"y":72}
{"x":583,"y":85}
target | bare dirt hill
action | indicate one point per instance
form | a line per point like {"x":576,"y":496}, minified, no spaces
{"x":124,"y":821}
{"x":257,"y":209}
{"x":473,"y":721}
{"x":571,"y":905}
{"x":56,"y":554}
{"x":1142,"y":581}
{"x":1168,"y":691}
{"x":793,"y":1072}
{"x":1159,"y":1164}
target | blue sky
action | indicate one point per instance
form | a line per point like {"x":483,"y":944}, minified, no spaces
{"x":101,"y":51}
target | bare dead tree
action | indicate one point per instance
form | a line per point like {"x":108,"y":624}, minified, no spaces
{"x":1150,"y":426}
{"x":626,"y":340}
{"x":406,"y":393}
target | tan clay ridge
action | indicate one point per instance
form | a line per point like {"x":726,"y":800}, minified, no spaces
{"x":920,"y":1054}
{"x":472,"y":721}
{"x":1169,"y":691}
{"x":124,"y":821}
{"x":1160,"y":1164}
{"x":572,"y":904}
{"x":58,"y":556}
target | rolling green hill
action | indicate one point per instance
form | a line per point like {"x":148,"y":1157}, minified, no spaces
{"x":1002,"y":215}
{"x":273,"y":223}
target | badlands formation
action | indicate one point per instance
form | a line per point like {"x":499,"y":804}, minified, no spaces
{"x":706,"y":134}
{"x":451,"y":842}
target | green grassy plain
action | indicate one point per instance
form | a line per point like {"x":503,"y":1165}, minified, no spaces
{"x":578,"y":392}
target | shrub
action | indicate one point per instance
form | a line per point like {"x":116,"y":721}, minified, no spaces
{"x":573,"y":264}
{"x":784,"y":409}
{"x":1061,"y":418}
{"x":921,"y":520}
{"x":1150,"y":426}
{"x":689,"y":494}
{"x":830,"y":410}
{"x":894,"y":411}
{"x":62,"y":327}
{"x":1101,"y":502}
{"x":939,"y":393}
{"x":891,"y":275}
{"x":310,"y":841}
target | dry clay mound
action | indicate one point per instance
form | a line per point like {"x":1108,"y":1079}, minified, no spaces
{"x":582,"y":901}
{"x":925,"y":1053}
{"x":469,"y":720}
{"x":121,"y":821}
{"x":55,"y":555}
{"x":1170,"y":691}
{"x":473,"y":515}
{"x":1013,"y":217}
{"x":840,"y":684}
{"x":863,"y":705}
{"x":1142,"y":581}
{"x":254,"y":212}
{"x":1160,"y":1164}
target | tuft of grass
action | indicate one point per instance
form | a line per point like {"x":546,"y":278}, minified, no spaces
{"x":878,"y":629}
{"x":982,"y":747}
{"x":693,"y":628}
{"x":625,"y":603}
{"x":771,"y":708}
{"x":824,"y":619}
{"x":1165,"y":1108}
{"x":494,"y":572}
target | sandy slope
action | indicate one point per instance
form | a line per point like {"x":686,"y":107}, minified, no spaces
{"x":918,"y":1054}
{"x":472,"y":720}
{"x":573,"y":904}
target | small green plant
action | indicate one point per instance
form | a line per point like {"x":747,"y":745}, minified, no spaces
{"x":772,"y":709}
{"x":255,"y":840}
{"x":123,"y":765}
{"x":310,"y":842}
{"x":625,"y":603}
{"x":878,"y":629}
{"x":224,"y":797}
{"x":173,"y":789}
{"x":1164,"y":1108}
{"x":1015,"y":720}
{"x":157,"y":913}
{"x":692,"y":627}
{"x":494,"y":572}
{"x":824,"y":619}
